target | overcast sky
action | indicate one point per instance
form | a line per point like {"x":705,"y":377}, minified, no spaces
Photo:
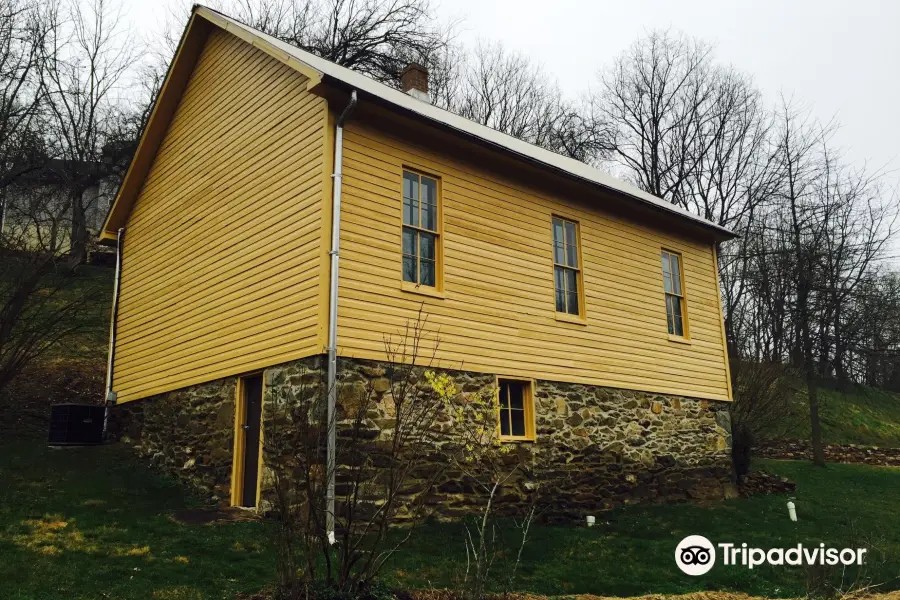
{"x":841,"y":58}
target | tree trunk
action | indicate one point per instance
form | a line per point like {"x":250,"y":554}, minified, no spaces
{"x":815,"y":423}
{"x":79,"y":237}
{"x":840,"y":350}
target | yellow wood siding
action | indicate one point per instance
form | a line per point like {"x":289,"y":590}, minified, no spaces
{"x":222,"y":253}
{"x":498,"y":312}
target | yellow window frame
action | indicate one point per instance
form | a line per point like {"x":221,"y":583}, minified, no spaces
{"x":579,"y":271}
{"x":527,"y":405}
{"x":438,"y":232}
{"x":667,"y":253}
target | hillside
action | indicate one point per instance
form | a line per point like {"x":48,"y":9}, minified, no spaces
{"x":858,"y":415}
{"x":73,"y":372}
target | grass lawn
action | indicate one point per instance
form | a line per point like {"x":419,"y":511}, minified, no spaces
{"x":91,"y":523}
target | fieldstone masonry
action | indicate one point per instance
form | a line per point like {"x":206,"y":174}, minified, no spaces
{"x":596,"y":447}
{"x":188,"y":433}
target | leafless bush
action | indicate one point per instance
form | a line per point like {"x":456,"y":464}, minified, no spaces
{"x":762,"y":402}
{"x":383,"y":475}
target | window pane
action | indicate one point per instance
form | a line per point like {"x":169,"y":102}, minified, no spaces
{"x":669,"y":320}
{"x":410,"y":212}
{"x":667,"y":283}
{"x":559,"y":243}
{"x":426,"y":272}
{"x":429,"y":203}
{"x":679,"y":325}
{"x":518,"y":422}
{"x":409,"y":269}
{"x":429,"y":190}
{"x":504,"y":422}
{"x":570,"y":233}
{"x":675,"y":307}
{"x":558,"y":235}
{"x":426,"y":246}
{"x":504,"y":395}
{"x":410,"y":185}
{"x":676,"y":274}
{"x":572,"y":256}
{"x":410,"y":199}
{"x":429,"y":216}
{"x":572,"y":291}
{"x":665,"y":263}
{"x":560,"y":288}
{"x":409,"y":241}
{"x":573,"y":303}
{"x":516,"y":399}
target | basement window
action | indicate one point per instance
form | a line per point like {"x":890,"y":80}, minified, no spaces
{"x":516,"y":410}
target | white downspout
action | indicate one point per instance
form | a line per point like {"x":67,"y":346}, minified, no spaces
{"x":110,"y":395}
{"x":333,"y":312}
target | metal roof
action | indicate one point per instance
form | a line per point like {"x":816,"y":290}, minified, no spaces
{"x":328,"y":70}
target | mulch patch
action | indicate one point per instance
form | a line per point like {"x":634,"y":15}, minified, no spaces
{"x":761,"y":483}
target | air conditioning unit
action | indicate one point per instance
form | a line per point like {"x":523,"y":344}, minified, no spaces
{"x":76,"y":425}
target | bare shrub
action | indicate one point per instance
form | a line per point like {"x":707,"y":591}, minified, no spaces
{"x":762,"y":403}
{"x":383,"y":475}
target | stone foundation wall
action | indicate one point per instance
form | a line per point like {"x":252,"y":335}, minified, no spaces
{"x":595,"y":448}
{"x":187,"y":433}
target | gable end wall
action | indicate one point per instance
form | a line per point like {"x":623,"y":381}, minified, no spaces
{"x":222,"y":252}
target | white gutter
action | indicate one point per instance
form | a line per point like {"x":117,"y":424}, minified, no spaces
{"x":333,"y":313}
{"x":110,"y":395}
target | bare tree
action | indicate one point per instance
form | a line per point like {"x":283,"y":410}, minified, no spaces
{"x":39,"y":306}
{"x":24,"y":28}
{"x":505,"y":91}
{"x":658,"y":98}
{"x":376,"y":37}
{"x":86,"y":66}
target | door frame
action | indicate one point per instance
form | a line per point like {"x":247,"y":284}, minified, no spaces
{"x":237,"y":462}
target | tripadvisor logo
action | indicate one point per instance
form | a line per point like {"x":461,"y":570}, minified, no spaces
{"x":696,"y":555}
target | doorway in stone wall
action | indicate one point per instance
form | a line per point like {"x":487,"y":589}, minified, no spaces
{"x":247,"y":442}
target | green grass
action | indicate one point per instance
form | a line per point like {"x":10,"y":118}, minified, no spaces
{"x":630,"y":551}
{"x":857,"y":415}
{"x":91,"y":341}
{"x":89,"y":523}
{"x":92,"y":523}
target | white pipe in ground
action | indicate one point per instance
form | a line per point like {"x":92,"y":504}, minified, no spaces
{"x":792,"y":511}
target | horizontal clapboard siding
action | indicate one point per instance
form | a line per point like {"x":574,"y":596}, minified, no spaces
{"x":498,"y":313}
{"x":223,"y":247}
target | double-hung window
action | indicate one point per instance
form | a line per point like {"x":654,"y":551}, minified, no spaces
{"x":566,"y":267}
{"x":516,"y":410}
{"x":676,"y":314}
{"x":421,"y":243}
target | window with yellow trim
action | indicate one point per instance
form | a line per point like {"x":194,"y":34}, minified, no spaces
{"x":421,"y":237}
{"x":676,"y":310}
{"x":566,"y":266}
{"x":516,"y":410}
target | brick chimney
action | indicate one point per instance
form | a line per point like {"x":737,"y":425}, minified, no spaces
{"x":414,"y":81}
